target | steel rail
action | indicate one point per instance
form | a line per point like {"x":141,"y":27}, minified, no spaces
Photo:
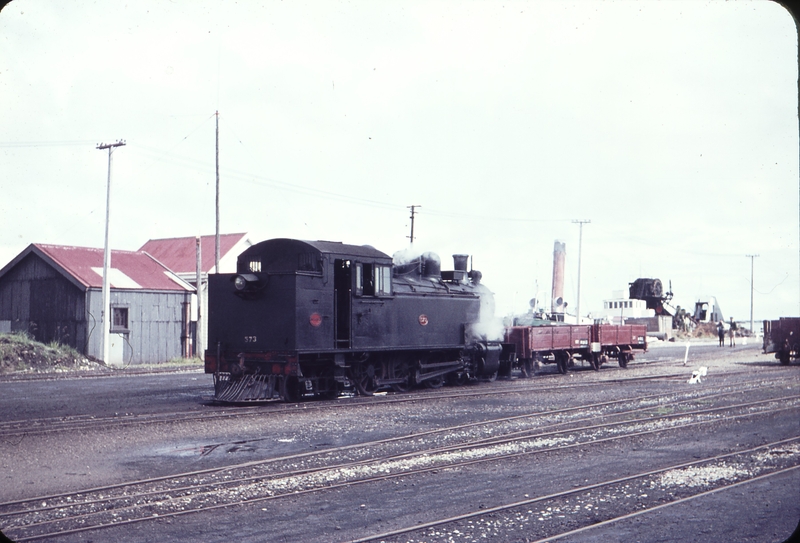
{"x":573,"y":491}
{"x":665,"y":505}
{"x":361,"y":481}
{"x":14,"y":428}
{"x":592,"y":414}
{"x":333,"y":449}
{"x":506,"y":438}
{"x":525,"y":434}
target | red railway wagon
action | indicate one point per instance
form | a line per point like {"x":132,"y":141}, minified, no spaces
{"x":563,"y":344}
{"x":782,"y":337}
{"x":621,"y":341}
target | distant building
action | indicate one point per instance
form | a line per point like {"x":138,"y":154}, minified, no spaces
{"x":180,"y":256}
{"x":54,"y":293}
{"x":619,"y":308}
{"x":707,"y":309}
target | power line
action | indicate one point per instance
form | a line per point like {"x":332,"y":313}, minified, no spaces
{"x":11,"y":144}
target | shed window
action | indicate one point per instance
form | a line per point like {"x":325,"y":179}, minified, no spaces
{"x":119,"y":318}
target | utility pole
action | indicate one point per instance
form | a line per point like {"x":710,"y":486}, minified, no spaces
{"x":198,"y":336}
{"x":105,"y":320}
{"x":580,"y":224}
{"x":412,"y":208}
{"x":216,"y":239}
{"x":752,"y":258}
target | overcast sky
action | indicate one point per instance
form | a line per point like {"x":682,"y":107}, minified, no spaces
{"x":671,"y":126}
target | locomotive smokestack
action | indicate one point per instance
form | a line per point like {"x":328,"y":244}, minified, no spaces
{"x":460,"y":262}
{"x":559,"y":257}
{"x":432,"y":265}
{"x":460,"y":268}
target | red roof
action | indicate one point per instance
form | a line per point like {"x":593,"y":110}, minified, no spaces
{"x":178,"y":254}
{"x":129,"y":269}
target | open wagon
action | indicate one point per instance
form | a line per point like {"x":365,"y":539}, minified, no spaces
{"x":782,"y":337}
{"x":562,"y":344}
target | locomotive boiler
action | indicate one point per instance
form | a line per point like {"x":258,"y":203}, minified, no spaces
{"x":314,"y":318}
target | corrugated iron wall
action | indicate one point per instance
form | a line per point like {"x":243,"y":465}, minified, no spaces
{"x":35,"y":298}
{"x":156,"y":324}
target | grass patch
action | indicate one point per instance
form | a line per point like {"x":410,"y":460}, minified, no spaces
{"x":19,"y":352}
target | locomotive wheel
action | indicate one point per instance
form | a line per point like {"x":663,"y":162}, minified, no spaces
{"x":458,"y":378}
{"x":783,"y":357}
{"x":623,"y":360}
{"x":400,"y":370}
{"x":363,"y":376}
{"x":290,"y":390}
{"x":435,"y":382}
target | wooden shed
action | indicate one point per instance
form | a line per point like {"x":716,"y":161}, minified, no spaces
{"x":180,"y":256}
{"x":54,"y":293}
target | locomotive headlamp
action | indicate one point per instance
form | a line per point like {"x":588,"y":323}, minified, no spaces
{"x":245,"y":281}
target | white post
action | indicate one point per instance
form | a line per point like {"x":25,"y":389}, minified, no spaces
{"x":580,"y":244}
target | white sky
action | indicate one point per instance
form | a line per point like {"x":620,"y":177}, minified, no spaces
{"x":672,"y":126}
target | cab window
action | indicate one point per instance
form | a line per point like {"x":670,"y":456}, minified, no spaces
{"x":383,"y":280}
{"x":373,"y":280}
{"x":359,"y":290}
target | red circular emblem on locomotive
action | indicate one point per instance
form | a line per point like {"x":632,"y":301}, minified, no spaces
{"x":423,"y":320}
{"x":315,"y":319}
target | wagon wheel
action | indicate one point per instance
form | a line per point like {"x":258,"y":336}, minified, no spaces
{"x":623,"y":359}
{"x":363,"y":376}
{"x":561,"y":361}
{"x":290,"y":389}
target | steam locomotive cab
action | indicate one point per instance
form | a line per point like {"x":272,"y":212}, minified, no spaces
{"x":316,"y":317}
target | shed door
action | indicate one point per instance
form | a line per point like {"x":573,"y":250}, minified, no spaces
{"x":116,"y":349}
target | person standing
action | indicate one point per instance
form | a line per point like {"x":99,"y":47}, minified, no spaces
{"x":732,"y":333}
{"x":721,"y":333}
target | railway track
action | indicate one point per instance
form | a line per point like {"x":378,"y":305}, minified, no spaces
{"x":72,"y":423}
{"x":403,"y":456}
{"x":536,"y":517}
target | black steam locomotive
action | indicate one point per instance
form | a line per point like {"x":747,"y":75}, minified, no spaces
{"x":315,"y":318}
